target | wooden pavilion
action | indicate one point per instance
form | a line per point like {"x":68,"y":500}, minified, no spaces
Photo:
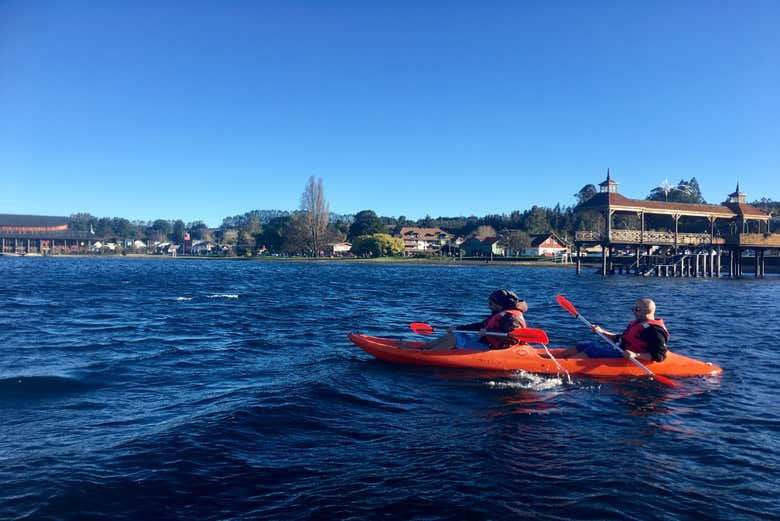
{"x":41,"y":235}
{"x":676,"y":239}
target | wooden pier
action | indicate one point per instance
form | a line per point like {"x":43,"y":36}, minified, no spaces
{"x":662,"y":239}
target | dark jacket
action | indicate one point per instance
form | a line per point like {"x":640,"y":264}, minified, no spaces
{"x":656,"y":338}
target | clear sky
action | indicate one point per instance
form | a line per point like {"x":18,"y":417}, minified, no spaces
{"x":202,"y":110}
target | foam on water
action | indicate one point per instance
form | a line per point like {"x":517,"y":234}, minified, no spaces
{"x":530,"y":381}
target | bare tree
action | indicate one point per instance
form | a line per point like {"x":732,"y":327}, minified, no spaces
{"x":315,"y":210}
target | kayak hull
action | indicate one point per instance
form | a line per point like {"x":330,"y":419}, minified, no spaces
{"x":525,"y":358}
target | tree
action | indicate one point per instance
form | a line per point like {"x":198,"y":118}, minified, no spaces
{"x":585,"y":193}
{"x":315,"y":211}
{"x":536,"y":221}
{"x":366,"y":223}
{"x":177,"y":235}
{"x":199,"y":231}
{"x":159,"y":230}
{"x":682,"y":192}
{"x":377,"y":245}
{"x":485,"y":231}
{"x":295,"y":235}
{"x":124,"y":229}
{"x":81,"y":222}
{"x":516,"y":240}
{"x":245,"y":243}
{"x":272,"y":236}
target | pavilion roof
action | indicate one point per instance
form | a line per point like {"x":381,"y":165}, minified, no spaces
{"x":43,"y":221}
{"x":617,"y":201}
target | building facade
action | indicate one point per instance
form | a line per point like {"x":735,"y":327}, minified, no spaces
{"x":41,"y":235}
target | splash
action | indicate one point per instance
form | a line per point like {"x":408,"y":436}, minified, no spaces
{"x":528,"y":381}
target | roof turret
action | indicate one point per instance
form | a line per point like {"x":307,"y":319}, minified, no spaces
{"x":608,"y":185}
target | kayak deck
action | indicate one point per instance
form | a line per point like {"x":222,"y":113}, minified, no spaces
{"x":526,"y":358}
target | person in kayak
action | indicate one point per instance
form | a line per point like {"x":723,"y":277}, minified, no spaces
{"x":645,"y":338}
{"x":506,"y":314}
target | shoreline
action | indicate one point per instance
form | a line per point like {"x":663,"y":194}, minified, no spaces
{"x":592,"y":264}
{"x":378,"y":260}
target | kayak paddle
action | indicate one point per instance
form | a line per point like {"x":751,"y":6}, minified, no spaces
{"x":421,"y":328}
{"x":523,"y":334}
{"x":568,"y":306}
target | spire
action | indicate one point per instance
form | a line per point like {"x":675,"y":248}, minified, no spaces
{"x":737,"y":196}
{"x":608,"y":185}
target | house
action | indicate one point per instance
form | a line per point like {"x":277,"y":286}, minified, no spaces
{"x":482,"y":246}
{"x":338,"y":249}
{"x":201,"y":247}
{"x":166,"y":248}
{"x":423,"y":240}
{"x":547,"y":245}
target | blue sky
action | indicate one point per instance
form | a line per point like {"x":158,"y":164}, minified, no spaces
{"x":201,"y":110}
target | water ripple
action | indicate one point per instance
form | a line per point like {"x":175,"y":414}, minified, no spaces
{"x":161,"y":389}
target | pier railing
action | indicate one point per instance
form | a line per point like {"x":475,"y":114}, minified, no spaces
{"x":650,"y":237}
{"x":764,"y":240}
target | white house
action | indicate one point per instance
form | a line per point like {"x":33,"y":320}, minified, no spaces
{"x":547,"y":245}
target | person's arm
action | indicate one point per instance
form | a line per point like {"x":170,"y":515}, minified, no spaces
{"x":476,"y":326}
{"x":609,"y":334}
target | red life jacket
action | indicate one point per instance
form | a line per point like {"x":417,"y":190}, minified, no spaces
{"x":630,"y":338}
{"x":493,"y":324}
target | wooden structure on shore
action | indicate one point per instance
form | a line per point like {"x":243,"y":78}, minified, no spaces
{"x":667,"y":239}
{"x":41,"y":235}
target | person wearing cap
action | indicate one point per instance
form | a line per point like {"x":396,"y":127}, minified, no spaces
{"x":506,"y":314}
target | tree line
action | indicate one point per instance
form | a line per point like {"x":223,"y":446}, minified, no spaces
{"x":307,"y":230}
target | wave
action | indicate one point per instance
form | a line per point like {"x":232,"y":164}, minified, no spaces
{"x":223,"y":295}
{"x":25,"y":387}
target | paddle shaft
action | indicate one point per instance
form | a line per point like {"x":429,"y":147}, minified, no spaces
{"x":523,"y":334}
{"x":613,"y":344}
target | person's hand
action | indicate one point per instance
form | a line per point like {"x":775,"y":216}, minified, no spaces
{"x":482,"y":332}
{"x":450,"y":330}
{"x":629,"y":354}
{"x":596,"y":329}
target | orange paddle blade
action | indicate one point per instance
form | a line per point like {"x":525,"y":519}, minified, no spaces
{"x":537,"y":336}
{"x":565,"y":304}
{"x":421,"y":328}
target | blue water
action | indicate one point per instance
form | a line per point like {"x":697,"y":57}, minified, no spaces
{"x":179,"y":389}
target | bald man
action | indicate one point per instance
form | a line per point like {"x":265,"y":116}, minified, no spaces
{"x":645,"y":338}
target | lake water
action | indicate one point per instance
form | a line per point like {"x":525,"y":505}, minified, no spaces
{"x":179,"y":389}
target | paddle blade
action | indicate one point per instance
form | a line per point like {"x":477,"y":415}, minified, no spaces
{"x":537,"y":336}
{"x":421,"y":328}
{"x":565,"y":304}
{"x":664,"y":380}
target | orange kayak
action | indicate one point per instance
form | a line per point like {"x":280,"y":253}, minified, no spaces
{"x":525,"y":358}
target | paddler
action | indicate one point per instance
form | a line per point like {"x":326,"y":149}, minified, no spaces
{"x":644,"y":339}
{"x":506,"y":314}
